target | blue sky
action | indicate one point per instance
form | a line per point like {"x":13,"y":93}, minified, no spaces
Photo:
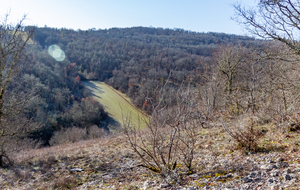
{"x":194,"y":15}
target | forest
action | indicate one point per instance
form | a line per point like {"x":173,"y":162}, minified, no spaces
{"x":133,"y":60}
{"x":137,"y":60}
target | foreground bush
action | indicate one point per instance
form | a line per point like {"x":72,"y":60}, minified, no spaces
{"x":76,"y":134}
{"x":167,"y":144}
{"x":246,"y":135}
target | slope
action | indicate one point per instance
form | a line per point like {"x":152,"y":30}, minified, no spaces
{"x":117,"y":104}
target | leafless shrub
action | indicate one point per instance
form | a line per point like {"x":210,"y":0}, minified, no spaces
{"x":288,"y":122}
{"x":22,"y":174}
{"x":69,"y":135}
{"x":168,"y":142}
{"x":17,"y":139}
{"x":76,"y":134}
{"x":67,"y":182}
{"x":246,"y":135}
{"x":51,"y":160}
{"x":95,"y":132}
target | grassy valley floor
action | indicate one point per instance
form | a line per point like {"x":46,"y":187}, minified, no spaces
{"x":117,"y":104}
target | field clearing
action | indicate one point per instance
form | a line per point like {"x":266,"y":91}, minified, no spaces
{"x":117,"y":104}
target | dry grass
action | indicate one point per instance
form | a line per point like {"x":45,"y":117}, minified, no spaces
{"x":68,"y":150}
{"x":109,"y":163}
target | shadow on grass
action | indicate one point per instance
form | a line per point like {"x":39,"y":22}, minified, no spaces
{"x":112,"y":124}
{"x":94,"y":88}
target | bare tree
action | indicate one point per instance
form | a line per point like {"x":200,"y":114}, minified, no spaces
{"x":281,"y":81}
{"x":13,"y":40}
{"x":169,"y":139}
{"x":273,"y":19}
{"x":229,"y":60}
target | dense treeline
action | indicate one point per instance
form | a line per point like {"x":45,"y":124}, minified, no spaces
{"x":137,"y":60}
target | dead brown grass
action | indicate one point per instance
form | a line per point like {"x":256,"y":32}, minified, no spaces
{"x":111,"y":164}
{"x":68,"y":150}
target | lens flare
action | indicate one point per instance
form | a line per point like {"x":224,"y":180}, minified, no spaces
{"x":56,"y":53}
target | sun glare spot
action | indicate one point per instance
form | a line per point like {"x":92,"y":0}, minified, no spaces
{"x":56,"y":53}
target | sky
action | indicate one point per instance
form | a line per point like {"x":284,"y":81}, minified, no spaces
{"x":193,"y":15}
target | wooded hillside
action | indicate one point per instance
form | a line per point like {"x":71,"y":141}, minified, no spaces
{"x":136,"y":61}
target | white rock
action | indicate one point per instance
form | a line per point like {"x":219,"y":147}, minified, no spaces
{"x":76,"y":170}
{"x":268,"y":167}
{"x":274,"y":187}
{"x":164,"y":185}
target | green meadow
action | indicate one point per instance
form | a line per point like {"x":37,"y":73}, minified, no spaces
{"x":117,"y":104}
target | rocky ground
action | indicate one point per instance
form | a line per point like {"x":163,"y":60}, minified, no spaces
{"x":109,"y":163}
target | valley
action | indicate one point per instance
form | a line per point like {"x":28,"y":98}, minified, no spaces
{"x":117,"y":104}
